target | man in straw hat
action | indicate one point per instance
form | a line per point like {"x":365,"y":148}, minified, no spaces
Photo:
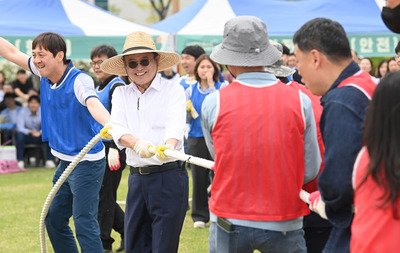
{"x":69,"y":108}
{"x":150,"y":111}
{"x":260,"y":170}
{"x":325,"y":63}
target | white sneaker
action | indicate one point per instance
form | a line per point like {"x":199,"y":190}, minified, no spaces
{"x":21,"y":164}
{"x":199,"y":224}
{"x":50,"y":164}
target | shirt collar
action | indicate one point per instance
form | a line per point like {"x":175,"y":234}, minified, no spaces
{"x":106,"y":82}
{"x":350,"y":70}
{"x":256,"y":78}
{"x":69,"y":67}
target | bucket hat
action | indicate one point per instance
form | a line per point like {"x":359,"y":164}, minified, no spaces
{"x":277,"y":68}
{"x":138,"y":43}
{"x":245,"y":43}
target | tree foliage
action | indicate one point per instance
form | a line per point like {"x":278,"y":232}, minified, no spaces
{"x":161,"y":8}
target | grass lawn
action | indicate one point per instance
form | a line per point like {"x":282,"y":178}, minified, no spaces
{"x":22,"y":198}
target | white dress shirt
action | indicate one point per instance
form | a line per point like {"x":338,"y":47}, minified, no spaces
{"x":156,"y":116}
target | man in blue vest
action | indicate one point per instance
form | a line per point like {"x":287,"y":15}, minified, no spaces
{"x":70,"y":109}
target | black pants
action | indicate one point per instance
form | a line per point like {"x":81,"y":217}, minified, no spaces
{"x":201,"y":180}
{"x":111,"y":216}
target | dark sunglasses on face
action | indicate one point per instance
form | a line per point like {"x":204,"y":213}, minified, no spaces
{"x":134,"y":64}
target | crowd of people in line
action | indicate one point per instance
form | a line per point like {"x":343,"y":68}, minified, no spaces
{"x":274,"y":122}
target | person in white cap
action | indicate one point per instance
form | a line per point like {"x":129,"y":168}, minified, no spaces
{"x":150,"y":112}
{"x":263,"y":135}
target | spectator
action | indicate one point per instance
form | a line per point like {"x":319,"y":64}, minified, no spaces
{"x":189,"y":57}
{"x":22,"y":85}
{"x":251,"y":144}
{"x":11,"y":113}
{"x":285,"y":54}
{"x":7,"y":88}
{"x":2,"y":82}
{"x":392,"y":65}
{"x":376,"y":224}
{"x":366,"y":66}
{"x":355,"y":57}
{"x":111,"y":216}
{"x":382,"y":69}
{"x":325,"y":62}
{"x":291,"y":61}
{"x":170,"y":74}
{"x":206,"y":72}
{"x":29,"y":131}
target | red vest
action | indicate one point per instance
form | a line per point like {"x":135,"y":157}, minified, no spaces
{"x":317,"y":109}
{"x":361,"y":81}
{"x":374,"y":229}
{"x":259,"y":153}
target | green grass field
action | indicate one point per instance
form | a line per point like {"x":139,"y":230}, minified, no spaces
{"x":22,"y":196}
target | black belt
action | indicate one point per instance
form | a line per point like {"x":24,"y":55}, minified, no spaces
{"x":155,"y":168}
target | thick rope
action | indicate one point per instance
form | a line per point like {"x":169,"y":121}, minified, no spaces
{"x":208,"y":164}
{"x":57,"y":186}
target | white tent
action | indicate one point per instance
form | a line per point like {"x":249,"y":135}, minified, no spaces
{"x":82,"y":24}
{"x":203,"y":21}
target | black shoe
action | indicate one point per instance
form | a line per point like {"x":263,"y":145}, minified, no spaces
{"x":122,"y":247}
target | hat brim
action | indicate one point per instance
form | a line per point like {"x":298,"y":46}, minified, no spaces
{"x":280,"y":70}
{"x":225,"y":56}
{"x":115,"y":65}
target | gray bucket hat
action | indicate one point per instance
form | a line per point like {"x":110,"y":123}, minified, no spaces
{"x":277,"y":68}
{"x":245,"y":43}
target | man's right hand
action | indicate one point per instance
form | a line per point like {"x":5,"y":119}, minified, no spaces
{"x":142,"y":148}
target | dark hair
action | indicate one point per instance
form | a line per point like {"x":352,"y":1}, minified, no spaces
{"x":199,"y":60}
{"x":378,"y":71}
{"x":382,"y":138}
{"x":285,"y":49}
{"x":397,"y":48}
{"x":9,"y":95}
{"x":51,"y":42}
{"x":326,"y":36}
{"x":34,"y":97}
{"x":107,"y":50}
{"x":21,"y":71}
{"x":193,"y":50}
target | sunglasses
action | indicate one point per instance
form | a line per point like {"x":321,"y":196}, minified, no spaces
{"x":134,"y":64}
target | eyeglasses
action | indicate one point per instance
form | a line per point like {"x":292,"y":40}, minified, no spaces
{"x":94,"y":63}
{"x":134,"y":64}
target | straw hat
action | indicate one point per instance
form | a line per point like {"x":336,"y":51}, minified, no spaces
{"x":138,"y":43}
{"x":245,"y":43}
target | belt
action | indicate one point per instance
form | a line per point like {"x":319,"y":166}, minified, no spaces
{"x":145,"y":170}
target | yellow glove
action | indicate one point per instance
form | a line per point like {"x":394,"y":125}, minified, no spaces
{"x":104,"y":133}
{"x":160,"y":152}
{"x":190,"y":108}
{"x":142,"y":148}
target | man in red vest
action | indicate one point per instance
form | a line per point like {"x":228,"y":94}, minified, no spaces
{"x":263,"y":135}
{"x":325,"y":62}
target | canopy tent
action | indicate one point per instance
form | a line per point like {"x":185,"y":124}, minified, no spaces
{"x":203,"y":21}
{"x":82,"y":24}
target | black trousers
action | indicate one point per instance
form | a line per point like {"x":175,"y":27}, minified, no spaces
{"x":201,"y":180}
{"x":111,"y":216}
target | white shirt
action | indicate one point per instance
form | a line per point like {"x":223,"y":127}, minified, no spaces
{"x":156,"y":116}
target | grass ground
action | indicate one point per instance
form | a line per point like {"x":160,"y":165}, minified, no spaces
{"x":22,"y":196}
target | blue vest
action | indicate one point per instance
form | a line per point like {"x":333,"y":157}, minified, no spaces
{"x":66,"y":123}
{"x":197,"y":99}
{"x":104,"y":96}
